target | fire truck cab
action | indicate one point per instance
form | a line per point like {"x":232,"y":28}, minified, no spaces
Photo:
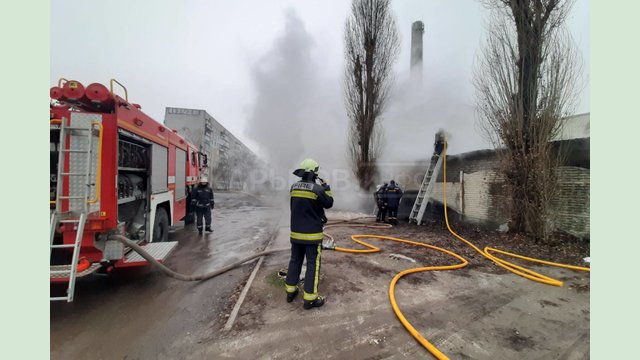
{"x":114,"y":170}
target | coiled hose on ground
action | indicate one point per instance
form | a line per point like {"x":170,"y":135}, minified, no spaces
{"x":392,"y":297}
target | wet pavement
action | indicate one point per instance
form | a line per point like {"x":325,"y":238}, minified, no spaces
{"x":140,"y":313}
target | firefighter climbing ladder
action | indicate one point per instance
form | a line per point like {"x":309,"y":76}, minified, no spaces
{"x":426,"y":189}
{"x":80,"y":150}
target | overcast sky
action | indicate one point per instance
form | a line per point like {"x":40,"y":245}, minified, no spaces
{"x":251,"y":63}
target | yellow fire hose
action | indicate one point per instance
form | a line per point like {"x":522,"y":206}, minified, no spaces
{"x":516,"y":269}
{"x":519,"y":270}
{"x":392,"y":297}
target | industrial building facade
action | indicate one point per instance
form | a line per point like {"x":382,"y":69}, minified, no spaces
{"x":228,"y":157}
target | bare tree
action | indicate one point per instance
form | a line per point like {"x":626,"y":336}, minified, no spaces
{"x":525,"y":84}
{"x":371,"y":48}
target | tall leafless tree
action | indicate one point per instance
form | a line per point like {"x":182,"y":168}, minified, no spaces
{"x":371,"y":48}
{"x":525,"y":84}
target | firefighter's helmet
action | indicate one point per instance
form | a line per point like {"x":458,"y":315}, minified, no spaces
{"x":309,"y":165}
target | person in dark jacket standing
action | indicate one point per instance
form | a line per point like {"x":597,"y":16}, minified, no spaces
{"x":381,"y":200}
{"x":203,"y":202}
{"x":393,"y":196}
{"x":308,"y":201}
{"x":438,"y":145}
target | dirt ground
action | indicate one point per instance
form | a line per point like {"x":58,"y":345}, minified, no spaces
{"x":478,"y":312}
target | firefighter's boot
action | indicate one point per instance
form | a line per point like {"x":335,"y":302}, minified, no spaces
{"x":208,"y":229}
{"x":292,"y":295}
{"x":309,"y":304}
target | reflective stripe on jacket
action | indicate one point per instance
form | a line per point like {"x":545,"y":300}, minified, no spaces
{"x":308,"y":201}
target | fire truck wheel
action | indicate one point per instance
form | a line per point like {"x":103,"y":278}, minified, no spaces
{"x":161,"y":226}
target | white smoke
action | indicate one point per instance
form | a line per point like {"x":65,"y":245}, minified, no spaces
{"x":299,"y":113}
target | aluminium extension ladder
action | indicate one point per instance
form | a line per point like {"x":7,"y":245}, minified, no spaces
{"x":426,"y":189}
{"x":80,"y":161}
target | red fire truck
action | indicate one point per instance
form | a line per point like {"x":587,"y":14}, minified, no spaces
{"x":114,"y":170}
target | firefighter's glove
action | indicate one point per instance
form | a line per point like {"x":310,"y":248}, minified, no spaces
{"x":212,"y":205}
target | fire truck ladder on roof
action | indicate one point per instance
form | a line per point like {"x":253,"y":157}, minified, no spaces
{"x":78,"y":197}
{"x":426,"y":189}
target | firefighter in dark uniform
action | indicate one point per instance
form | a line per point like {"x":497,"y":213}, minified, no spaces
{"x":438,"y":145}
{"x":308,"y":201}
{"x":381,"y":200}
{"x":393,"y":196}
{"x":202,"y":201}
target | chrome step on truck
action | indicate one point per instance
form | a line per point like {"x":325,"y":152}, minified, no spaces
{"x":160,"y":251}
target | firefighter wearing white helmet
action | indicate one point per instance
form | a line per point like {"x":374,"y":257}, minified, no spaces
{"x":202,"y":200}
{"x":308,"y":201}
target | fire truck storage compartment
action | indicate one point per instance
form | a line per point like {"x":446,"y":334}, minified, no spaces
{"x":133,"y":180}
{"x":159,"y":169}
{"x":181,"y":174}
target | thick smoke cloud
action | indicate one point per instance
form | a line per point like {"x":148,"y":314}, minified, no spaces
{"x":420,"y":106}
{"x":285,"y":85}
{"x":298,"y":113}
{"x":417,"y":111}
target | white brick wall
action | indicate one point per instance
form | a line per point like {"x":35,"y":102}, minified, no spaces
{"x":572,"y":205}
{"x":453,"y":195}
{"x":480,"y":205}
{"x":476,"y":195}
